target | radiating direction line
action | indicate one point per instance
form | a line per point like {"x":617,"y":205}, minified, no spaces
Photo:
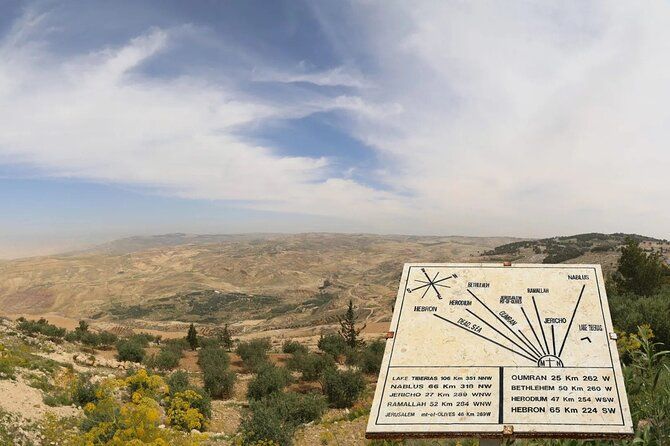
{"x":484,"y":337}
{"x":502,"y":322}
{"x":571,"y":319}
{"x":553,"y":339}
{"x":533,"y":330}
{"x":431,"y":282}
{"x":529,"y":343}
{"x":541,"y":326}
{"x":501,"y":334}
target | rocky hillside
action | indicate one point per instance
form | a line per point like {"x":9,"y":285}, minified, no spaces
{"x":268,"y":280}
{"x":257,"y":283}
{"x":592,"y":247}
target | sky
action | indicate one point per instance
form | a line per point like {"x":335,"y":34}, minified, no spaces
{"x":487,"y":118}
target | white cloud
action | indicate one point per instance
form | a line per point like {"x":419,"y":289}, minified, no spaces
{"x":94,"y":117}
{"x":335,"y":77}
{"x":488,"y":118}
{"x":519,"y":118}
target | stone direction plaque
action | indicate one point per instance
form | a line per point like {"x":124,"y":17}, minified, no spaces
{"x":482,"y":348}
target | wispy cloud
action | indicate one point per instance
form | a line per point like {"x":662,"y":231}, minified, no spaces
{"x":487,"y":118}
{"x":334,"y":77}
{"x":96,"y":117}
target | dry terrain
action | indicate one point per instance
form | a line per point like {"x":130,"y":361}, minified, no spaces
{"x":262,"y":285}
{"x":256,"y":283}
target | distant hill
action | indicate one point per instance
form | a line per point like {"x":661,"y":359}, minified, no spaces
{"x":573,"y":248}
{"x":140,"y":243}
{"x":258,"y":281}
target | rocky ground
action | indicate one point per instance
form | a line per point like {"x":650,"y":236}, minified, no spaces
{"x":39,"y":367}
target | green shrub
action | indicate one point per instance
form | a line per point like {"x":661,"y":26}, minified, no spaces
{"x":333,"y":344}
{"x":177,"y":381}
{"x":41,"y":326}
{"x":370,"y":359}
{"x":648,"y":387}
{"x":83,"y":391}
{"x":91,"y":339}
{"x":204,"y":403}
{"x":270,"y":379}
{"x":298,"y":408}
{"x":342,"y":388}
{"x":142,"y":339}
{"x":165,"y":359}
{"x":219,"y":382}
{"x":275,"y":418}
{"x":254,"y":353}
{"x":129,"y":350}
{"x":106,"y":338}
{"x":630,"y":311}
{"x":264,"y":423}
{"x":6,"y":369}
{"x":209,"y":342}
{"x":311,"y":365}
{"x":213,"y":357}
{"x":638,"y":272}
{"x":179,"y":344}
{"x":293,"y":347}
{"x":56,"y":399}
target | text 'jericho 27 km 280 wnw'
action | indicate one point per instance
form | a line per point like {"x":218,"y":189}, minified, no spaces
{"x":488,"y":350}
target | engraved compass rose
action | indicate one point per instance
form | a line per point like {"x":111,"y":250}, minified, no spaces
{"x":429,"y":283}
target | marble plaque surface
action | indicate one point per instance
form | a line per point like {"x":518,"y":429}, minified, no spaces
{"x":478,"y":349}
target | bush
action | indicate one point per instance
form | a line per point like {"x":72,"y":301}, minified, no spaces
{"x":293,"y":347}
{"x":91,"y":339}
{"x":84,"y":391}
{"x":204,"y":403}
{"x":342,"y":389}
{"x":648,"y":385}
{"x":270,"y":379}
{"x":210,"y":342}
{"x":630,"y":311}
{"x":299,"y":408}
{"x":182,"y":413}
{"x":275,"y":418}
{"x":129,"y":412}
{"x":219,"y":382}
{"x":41,"y":326}
{"x":213,"y":357}
{"x":333,"y":344}
{"x":265,"y":423}
{"x":370,"y":359}
{"x":311,"y":365}
{"x":254,"y":353}
{"x":179,"y":344}
{"x":638,"y":272}
{"x":166,"y":359}
{"x":129,"y":350}
{"x":142,"y":339}
{"x":177,"y":381}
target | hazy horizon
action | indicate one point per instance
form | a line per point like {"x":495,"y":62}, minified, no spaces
{"x":424,"y":118}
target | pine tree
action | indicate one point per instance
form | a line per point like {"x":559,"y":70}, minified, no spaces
{"x":192,"y":337}
{"x":348,"y":328}
{"x":225,"y":338}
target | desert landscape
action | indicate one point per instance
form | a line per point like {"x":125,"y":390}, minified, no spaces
{"x":274,"y":285}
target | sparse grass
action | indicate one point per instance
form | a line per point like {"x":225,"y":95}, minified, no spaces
{"x":21,"y":356}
